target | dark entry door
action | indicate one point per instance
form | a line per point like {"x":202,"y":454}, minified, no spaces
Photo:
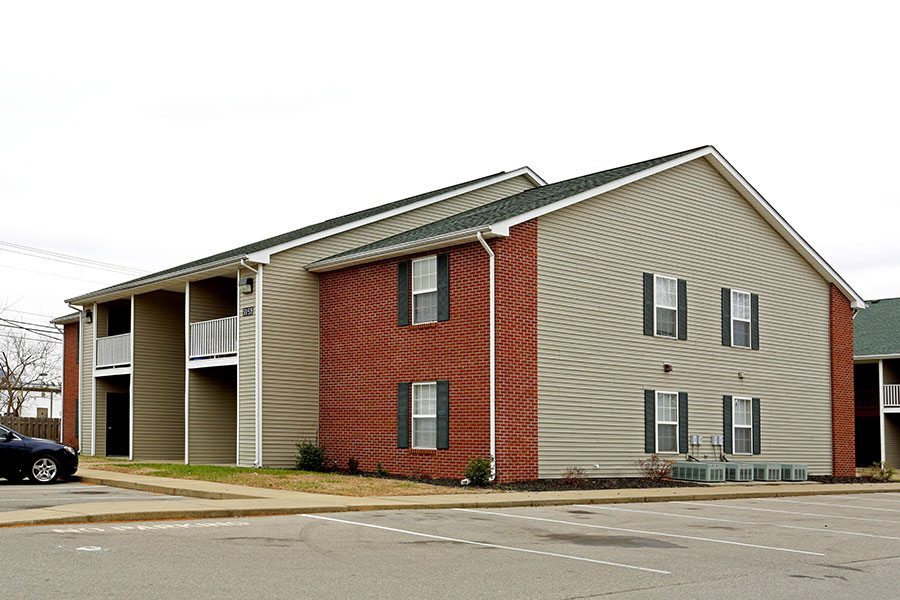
{"x":117,"y":424}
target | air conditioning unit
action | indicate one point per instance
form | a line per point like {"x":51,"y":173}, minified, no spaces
{"x":739,"y":471}
{"x":793,"y":472}
{"x":767,"y":471}
{"x":705,"y":472}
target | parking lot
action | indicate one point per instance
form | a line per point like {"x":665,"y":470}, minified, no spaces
{"x":24,"y":495}
{"x":806,"y":547}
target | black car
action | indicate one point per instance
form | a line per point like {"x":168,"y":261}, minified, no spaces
{"x":41,"y":461}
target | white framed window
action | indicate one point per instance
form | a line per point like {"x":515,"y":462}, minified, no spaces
{"x":742,"y":425}
{"x":667,"y":422}
{"x":740,"y":319}
{"x":665,"y":306}
{"x":424,"y":290}
{"x":424,"y":415}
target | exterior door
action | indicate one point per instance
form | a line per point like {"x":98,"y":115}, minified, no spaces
{"x":117,"y":424}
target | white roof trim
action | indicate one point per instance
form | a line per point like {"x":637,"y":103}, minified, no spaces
{"x":737,"y":180}
{"x":868,"y":357}
{"x":264,"y":256}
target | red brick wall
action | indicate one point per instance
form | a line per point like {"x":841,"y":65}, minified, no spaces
{"x":70,"y":383}
{"x":842,"y":404}
{"x":364,"y":354}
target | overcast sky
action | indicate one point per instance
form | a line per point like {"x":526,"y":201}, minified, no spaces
{"x":148,"y":134}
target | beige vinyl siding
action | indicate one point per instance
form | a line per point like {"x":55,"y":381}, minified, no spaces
{"x":212,"y":415}
{"x":594,"y":362}
{"x":892,"y":439}
{"x":158,"y":372}
{"x":86,"y":384}
{"x":213,"y":298}
{"x":291,"y":320}
{"x":247,"y":376}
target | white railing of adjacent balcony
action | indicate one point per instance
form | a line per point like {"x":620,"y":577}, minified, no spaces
{"x":892,"y":396}
{"x":114,"y":351}
{"x":214,"y":338}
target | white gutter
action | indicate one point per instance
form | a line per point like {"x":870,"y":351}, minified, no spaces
{"x":493,"y":384}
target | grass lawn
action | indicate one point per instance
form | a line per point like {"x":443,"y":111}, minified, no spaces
{"x":283,"y":479}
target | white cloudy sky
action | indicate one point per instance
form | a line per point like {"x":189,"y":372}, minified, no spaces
{"x":147,"y":134}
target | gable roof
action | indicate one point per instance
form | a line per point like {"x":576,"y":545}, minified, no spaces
{"x":495,"y":219}
{"x":261,"y":251}
{"x":67,"y":319}
{"x":876,"y":330}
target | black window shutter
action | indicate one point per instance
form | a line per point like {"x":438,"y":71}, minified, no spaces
{"x":682,"y":309}
{"x":726,"y":424}
{"x":757,"y":449}
{"x":754,"y":321}
{"x":648,"y":304}
{"x":403,"y":415}
{"x":403,"y":293}
{"x":649,"y":421}
{"x":443,"y":287}
{"x":443,"y":415}
{"x":683,"y":422}
{"x":726,"y":317}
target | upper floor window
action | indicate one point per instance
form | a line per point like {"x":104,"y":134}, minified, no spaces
{"x":740,"y":319}
{"x":665,"y":305}
{"x":425,"y":290}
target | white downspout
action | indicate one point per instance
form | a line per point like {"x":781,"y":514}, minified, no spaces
{"x":493,"y":384}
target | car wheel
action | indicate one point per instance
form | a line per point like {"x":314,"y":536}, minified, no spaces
{"x":44,"y":470}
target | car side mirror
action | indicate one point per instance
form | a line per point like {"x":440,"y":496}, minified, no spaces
{"x":8,"y":437}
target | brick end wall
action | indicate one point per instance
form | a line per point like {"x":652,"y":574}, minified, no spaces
{"x":70,"y":384}
{"x":364,"y":354}
{"x":842,"y":397}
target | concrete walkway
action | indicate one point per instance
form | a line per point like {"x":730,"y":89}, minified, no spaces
{"x":216,"y":500}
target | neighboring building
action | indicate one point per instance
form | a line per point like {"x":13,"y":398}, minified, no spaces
{"x":588,"y":322}
{"x":877,"y":381}
{"x":70,"y":377}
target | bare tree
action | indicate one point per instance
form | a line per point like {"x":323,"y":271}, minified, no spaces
{"x":26,"y":361}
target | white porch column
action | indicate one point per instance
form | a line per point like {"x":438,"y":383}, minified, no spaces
{"x":881,"y":406}
{"x":187,"y":371}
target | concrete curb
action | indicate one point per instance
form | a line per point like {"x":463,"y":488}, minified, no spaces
{"x":141,"y":486}
{"x":217,"y":508}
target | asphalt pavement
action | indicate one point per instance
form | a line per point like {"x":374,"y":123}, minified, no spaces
{"x":26,"y":495}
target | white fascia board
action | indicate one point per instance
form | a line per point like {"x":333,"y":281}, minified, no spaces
{"x":264,"y":256}
{"x":441,"y":241}
{"x":736,"y":179}
{"x":874,"y":357}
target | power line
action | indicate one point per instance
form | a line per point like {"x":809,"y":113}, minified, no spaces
{"x":12,"y":325}
{"x":52,"y":274}
{"x":30,"y":339}
{"x":41,"y":325}
{"x":68,"y":258}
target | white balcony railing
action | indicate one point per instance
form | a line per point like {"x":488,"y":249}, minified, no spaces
{"x":114,"y":351}
{"x":214,"y":338}
{"x":892,"y":396}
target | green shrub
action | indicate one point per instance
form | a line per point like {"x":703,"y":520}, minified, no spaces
{"x":478,"y":471}
{"x":881,"y":471}
{"x":310,"y":457}
{"x":352,"y":465}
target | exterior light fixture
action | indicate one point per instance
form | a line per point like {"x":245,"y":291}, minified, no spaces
{"x":245,"y":285}
{"x":88,"y":316}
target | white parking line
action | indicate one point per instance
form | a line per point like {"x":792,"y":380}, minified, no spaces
{"x":641,"y":532}
{"x":786,"y":512}
{"x":734,"y":521}
{"x":831,"y":504}
{"x":487,"y":545}
{"x":867,"y":497}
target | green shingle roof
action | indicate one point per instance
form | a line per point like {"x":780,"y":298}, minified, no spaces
{"x":506,"y":208}
{"x":242,"y":251}
{"x":876,"y":330}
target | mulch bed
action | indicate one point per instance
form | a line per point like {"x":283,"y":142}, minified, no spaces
{"x":594,"y":483}
{"x":832,"y":479}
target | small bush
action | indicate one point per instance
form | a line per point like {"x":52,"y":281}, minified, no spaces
{"x":310,"y":457}
{"x":381,"y":471}
{"x":352,"y":465}
{"x":478,"y":471}
{"x":574,"y":477}
{"x":881,"y":471}
{"x":655,"y":468}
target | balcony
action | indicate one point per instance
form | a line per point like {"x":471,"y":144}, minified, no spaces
{"x":113,"y":351}
{"x":214,"y":343}
{"x":891,"y":397}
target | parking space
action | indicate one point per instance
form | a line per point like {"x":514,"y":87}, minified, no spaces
{"x":834,"y":547}
{"x":25,"y":495}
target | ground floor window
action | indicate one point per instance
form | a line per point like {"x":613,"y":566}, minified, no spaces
{"x":424,"y":415}
{"x":743,"y":425}
{"x":667,"y":422}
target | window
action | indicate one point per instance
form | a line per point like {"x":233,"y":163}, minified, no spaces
{"x":424,"y":290}
{"x":740,"y":319}
{"x":742,"y":418}
{"x":666,"y":422}
{"x":665,"y":302}
{"x":424,"y":415}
